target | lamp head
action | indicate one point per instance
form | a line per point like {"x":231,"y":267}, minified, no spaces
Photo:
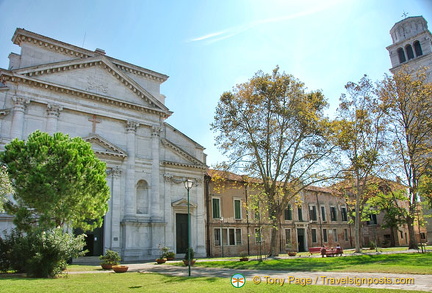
{"x":188,"y":184}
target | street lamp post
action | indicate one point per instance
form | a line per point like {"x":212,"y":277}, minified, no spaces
{"x":221,"y":239}
{"x":188,"y":185}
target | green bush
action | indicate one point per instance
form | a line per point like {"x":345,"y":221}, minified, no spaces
{"x":14,"y":252}
{"x":40,"y":253}
{"x":111,"y":257}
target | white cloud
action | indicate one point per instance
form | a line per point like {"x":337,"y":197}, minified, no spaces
{"x":316,"y":6}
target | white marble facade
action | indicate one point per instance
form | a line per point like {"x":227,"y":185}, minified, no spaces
{"x":116,"y":106}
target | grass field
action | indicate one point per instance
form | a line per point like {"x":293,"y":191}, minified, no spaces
{"x":138,"y":282}
{"x":408,"y":263}
{"x":150,"y":282}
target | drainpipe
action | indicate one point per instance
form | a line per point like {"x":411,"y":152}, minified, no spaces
{"x":247,"y":219}
{"x":207,"y":180}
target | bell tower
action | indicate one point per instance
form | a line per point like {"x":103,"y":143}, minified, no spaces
{"x":412,"y":44}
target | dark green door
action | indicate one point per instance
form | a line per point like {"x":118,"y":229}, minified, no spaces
{"x":94,"y":241}
{"x":181,"y":233}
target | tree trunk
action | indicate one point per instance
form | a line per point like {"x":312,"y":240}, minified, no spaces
{"x":392,"y":237}
{"x":357,"y":221}
{"x":274,"y":243}
{"x":412,"y":239}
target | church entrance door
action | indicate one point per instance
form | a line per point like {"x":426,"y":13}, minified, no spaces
{"x":94,"y":241}
{"x":181,"y":233}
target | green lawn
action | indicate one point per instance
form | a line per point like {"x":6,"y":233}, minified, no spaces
{"x":408,"y":263}
{"x":146,"y":282}
{"x":138,"y":282}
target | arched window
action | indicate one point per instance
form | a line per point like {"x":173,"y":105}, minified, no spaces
{"x":410,"y":53}
{"x":142,"y":199}
{"x":418,"y":49}
{"x":401,"y":55}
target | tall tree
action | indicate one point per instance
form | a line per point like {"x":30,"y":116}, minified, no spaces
{"x":407,"y":104}
{"x":274,"y":130}
{"x":57,"y":181}
{"x":360,"y":138}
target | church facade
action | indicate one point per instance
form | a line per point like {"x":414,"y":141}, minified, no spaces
{"x":118,"y":108}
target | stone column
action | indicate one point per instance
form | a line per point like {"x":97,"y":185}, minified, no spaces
{"x":18,"y":117}
{"x":155,"y":210}
{"x":130,"y":209}
{"x":199,"y":217}
{"x":53,"y":113}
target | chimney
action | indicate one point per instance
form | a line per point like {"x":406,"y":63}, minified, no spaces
{"x":100,"y":51}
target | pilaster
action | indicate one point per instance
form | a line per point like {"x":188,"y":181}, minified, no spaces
{"x":115,"y":209}
{"x":130,"y":211}
{"x":156,"y":213}
{"x":18,"y":116}
{"x":53,"y":113}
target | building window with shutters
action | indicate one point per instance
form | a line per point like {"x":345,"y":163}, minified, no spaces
{"x":314,"y":235}
{"x":237,"y":209}
{"x":216,"y":208}
{"x":344,"y":214}
{"x":324,"y":231}
{"x":333,"y":214}
{"x":313,"y":213}
{"x":300,"y":213}
{"x":323,"y":214}
{"x":288,"y":213}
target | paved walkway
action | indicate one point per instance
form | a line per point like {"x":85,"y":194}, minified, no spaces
{"x":286,"y":278}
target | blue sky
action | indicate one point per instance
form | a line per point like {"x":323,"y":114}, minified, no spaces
{"x":206,"y":47}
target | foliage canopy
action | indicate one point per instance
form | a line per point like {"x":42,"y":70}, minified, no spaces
{"x":57,"y":181}
{"x":274,"y":130}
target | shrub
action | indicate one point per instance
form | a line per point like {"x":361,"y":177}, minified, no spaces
{"x":40,"y":253}
{"x":110,"y":258}
{"x":13,"y":252}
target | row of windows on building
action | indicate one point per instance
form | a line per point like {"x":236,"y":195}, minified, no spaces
{"x":407,"y":53}
{"x":233,"y":236}
{"x":216,"y":209}
{"x":288,"y":215}
{"x":313,"y":214}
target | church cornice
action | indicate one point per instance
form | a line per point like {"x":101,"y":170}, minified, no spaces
{"x":7,"y":76}
{"x":90,"y":62}
{"x":22,"y":35}
{"x":184,"y":165}
{"x":409,"y":40}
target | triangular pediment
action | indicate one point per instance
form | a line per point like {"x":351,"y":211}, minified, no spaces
{"x":103,"y":147}
{"x":176,"y":156}
{"x":183,"y":203}
{"x":95,"y":75}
